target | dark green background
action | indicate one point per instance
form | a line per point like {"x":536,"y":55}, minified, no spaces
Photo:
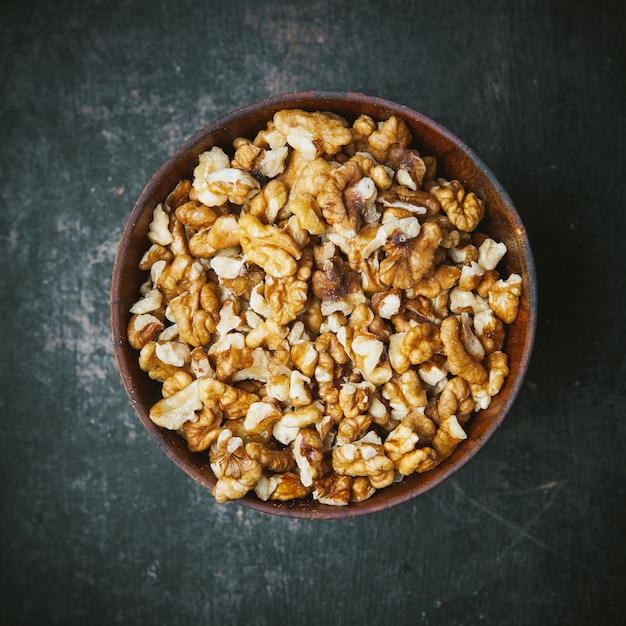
{"x":96,"y":525}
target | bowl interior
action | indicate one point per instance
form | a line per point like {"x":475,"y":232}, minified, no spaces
{"x":455,"y":160}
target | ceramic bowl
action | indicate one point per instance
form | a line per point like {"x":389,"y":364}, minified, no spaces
{"x":455,"y":160}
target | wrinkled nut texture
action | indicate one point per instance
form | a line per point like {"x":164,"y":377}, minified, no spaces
{"x":321,"y":311}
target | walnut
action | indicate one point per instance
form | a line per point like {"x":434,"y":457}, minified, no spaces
{"x":364,"y":457}
{"x":464,"y":210}
{"x":288,"y":486}
{"x":286,"y":298}
{"x":504,"y":298}
{"x":456,"y":399}
{"x":223,"y":234}
{"x":401,"y":447}
{"x":444,"y":278}
{"x":413,"y":347}
{"x":142,"y":329}
{"x":404,"y":393}
{"x":349,"y":199}
{"x":150,"y":363}
{"x":338,"y":287}
{"x":215,"y":182}
{"x":361,"y":489}
{"x":271,"y":458}
{"x":181,"y":275}
{"x":268,"y":247}
{"x":196,"y":215}
{"x":195,"y":324}
{"x":393,"y":133}
{"x":235,"y":471}
{"x":333,"y":489}
{"x":355,"y":398}
{"x":353,"y":427}
{"x":234,"y":402}
{"x":490,"y":330}
{"x":381,"y":175}
{"x":448,"y":437}
{"x":200,"y":434}
{"x":303,"y":416}
{"x":159,"y":231}
{"x":305,"y":357}
{"x":409,"y":260}
{"x":314,"y":134}
{"x":172,"y":412}
{"x":497,"y":365}
{"x":417,"y":201}
{"x":367,"y":353}
{"x":460,"y":361}
{"x":260,"y":419}
{"x":267,"y":204}
{"x":307,"y":452}
{"x":177,"y":381}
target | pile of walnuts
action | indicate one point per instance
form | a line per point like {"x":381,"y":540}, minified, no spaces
{"x":320,"y":311}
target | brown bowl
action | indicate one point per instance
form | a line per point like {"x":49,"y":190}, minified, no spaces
{"x":455,"y":160}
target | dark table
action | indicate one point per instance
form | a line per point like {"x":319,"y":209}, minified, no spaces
{"x":97,"y":525}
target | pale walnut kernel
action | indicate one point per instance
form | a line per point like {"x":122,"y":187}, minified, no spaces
{"x":235,"y":471}
{"x":460,"y":361}
{"x":409,"y":260}
{"x":142,"y":329}
{"x":504,"y":298}
{"x":346,"y":202}
{"x":286,"y":298}
{"x":268,"y":246}
{"x":464,"y":210}
{"x":413,"y":347}
{"x":333,"y":489}
{"x":364,"y":457}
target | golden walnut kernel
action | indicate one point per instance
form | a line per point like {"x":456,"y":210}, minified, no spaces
{"x":320,"y":309}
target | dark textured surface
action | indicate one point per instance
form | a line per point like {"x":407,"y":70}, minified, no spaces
{"x":97,"y":526}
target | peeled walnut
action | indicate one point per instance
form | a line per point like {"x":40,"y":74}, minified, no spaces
{"x":456,"y":399}
{"x":409,"y":260}
{"x":235,"y":471}
{"x":349,"y":199}
{"x":215,"y":182}
{"x":364,"y":457}
{"x":460,"y":361}
{"x":307,"y":452}
{"x":404,"y":393}
{"x":413,"y":347}
{"x":333,"y":489}
{"x":270,"y":458}
{"x":268,"y":247}
{"x":353,"y":427}
{"x":417,"y":202}
{"x":142,"y":329}
{"x":337,"y":286}
{"x":172,"y":412}
{"x":314,"y":134}
{"x":464,"y":210}
{"x":286,"y":298}
{"x":269,"y":201}
{"x":448,"y":437}
{"x":391,"y":134}
{"x":200,"y":434}
{"x":288,"y":486}
{"x":504,"y":298}
{"x":221,"y":235}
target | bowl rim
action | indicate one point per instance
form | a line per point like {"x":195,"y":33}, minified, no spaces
{"x":443,"y":472}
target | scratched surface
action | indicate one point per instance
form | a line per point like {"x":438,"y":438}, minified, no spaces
{"x":97,"y":526}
